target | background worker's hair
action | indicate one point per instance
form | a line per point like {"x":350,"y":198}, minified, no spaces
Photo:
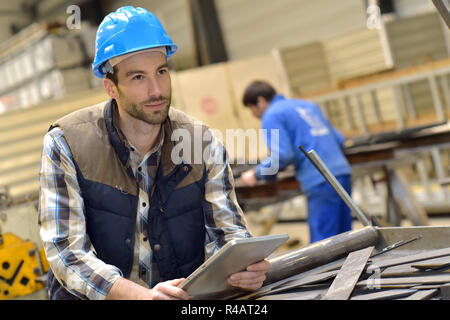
{"x":258,"y":88}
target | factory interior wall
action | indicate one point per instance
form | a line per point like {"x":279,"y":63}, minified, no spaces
{"x":254,"y":27}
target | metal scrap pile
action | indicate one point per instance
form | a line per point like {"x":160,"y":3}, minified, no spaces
{"x":365,"y":274}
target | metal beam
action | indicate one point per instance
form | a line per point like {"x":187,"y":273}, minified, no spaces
{"x":436,"y":99}
{"x":331,"y":179}
{"x":406,"y":199}
{"x":207,"y":32}
{"x":443,"y":7}
{"x":319,"y":253}
{"x":360,"y":113}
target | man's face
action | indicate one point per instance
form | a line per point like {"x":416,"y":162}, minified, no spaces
{"x":259,"y":108}
{"x":255,"y":111}
{"x":144,"y":88}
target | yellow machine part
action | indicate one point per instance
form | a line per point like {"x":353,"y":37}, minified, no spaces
{"x":19,"y":267}
{"x":44,"y":263}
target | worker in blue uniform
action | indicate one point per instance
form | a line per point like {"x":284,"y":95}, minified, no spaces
{"x":290,"y":123}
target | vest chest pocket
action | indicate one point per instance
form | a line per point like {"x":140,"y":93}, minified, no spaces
{"x":180,"y":192}
{"x":116,"y":200}
{"x":179,"y":201}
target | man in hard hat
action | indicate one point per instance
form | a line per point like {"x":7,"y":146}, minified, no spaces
{"x":301,"y":123}
{"x":121,"y":214}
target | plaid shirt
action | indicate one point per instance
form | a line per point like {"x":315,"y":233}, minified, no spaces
{"x":62,"y":222}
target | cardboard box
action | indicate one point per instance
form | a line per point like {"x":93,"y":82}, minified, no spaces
{"x":306,"y":68}
{"x":59,"y":83}
{"x":241,"y":73}
{"x":206,"y":95}
{"x":30,"y":95}
{"x":3,"y":83}
{"x":43,"y":57}
{"x":9,"y":101}
{"x":57,"y":52}
{"x":11,"y":75}
{"x":26,"y":59}
{"x":357,"y":53}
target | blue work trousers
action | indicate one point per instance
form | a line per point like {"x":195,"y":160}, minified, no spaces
{"x":328,"y":215}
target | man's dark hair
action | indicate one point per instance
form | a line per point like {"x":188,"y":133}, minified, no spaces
{"x":257,"y":89}
{"x":113,"y":76}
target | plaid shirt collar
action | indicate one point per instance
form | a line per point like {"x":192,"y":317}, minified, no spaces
{"x":120,"y":142}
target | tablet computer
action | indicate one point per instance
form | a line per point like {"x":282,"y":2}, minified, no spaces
{"x":209,"y":281}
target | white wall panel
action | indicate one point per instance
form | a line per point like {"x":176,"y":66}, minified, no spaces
{"x":356,"y":53}
{"x":416,"y":40}
{"x":306,"y":68}
{"x":254,"y":27}
{"x":406,"y":8}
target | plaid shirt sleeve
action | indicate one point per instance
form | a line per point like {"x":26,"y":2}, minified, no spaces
{"x":62,"y":225}
{"x":223,"y":215}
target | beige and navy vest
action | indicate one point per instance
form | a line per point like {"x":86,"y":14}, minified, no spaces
{"x":109,"y":189}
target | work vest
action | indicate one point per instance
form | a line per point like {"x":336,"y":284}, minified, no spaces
{"x":176,"y":223}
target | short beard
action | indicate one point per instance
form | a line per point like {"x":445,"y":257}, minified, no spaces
{"x":158,"y":117}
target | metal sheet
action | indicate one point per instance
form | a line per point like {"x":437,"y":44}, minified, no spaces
{"x":395,"y":245}
{"x":399,"y":286}
{"x":297,"y":295}
{"x":345,"y":281}
{"x":419,"y":268}
{"x":427,"y":286}
{"x":315,"y":278}
{"x":400,"y":271}
{"x":383,"y":263}
{"x":437,"y":278}
{"x":421,"y":295}
{"x":445,"y":291}
{"x":384,"y":295}
{"x":433,"y":237}
{"x":331,"y":266}
{"x":433,"y":264}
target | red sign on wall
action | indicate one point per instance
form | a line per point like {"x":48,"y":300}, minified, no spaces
{"x":209,"y":105}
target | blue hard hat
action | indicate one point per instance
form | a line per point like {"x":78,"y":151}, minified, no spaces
{"x":126,"y":30}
